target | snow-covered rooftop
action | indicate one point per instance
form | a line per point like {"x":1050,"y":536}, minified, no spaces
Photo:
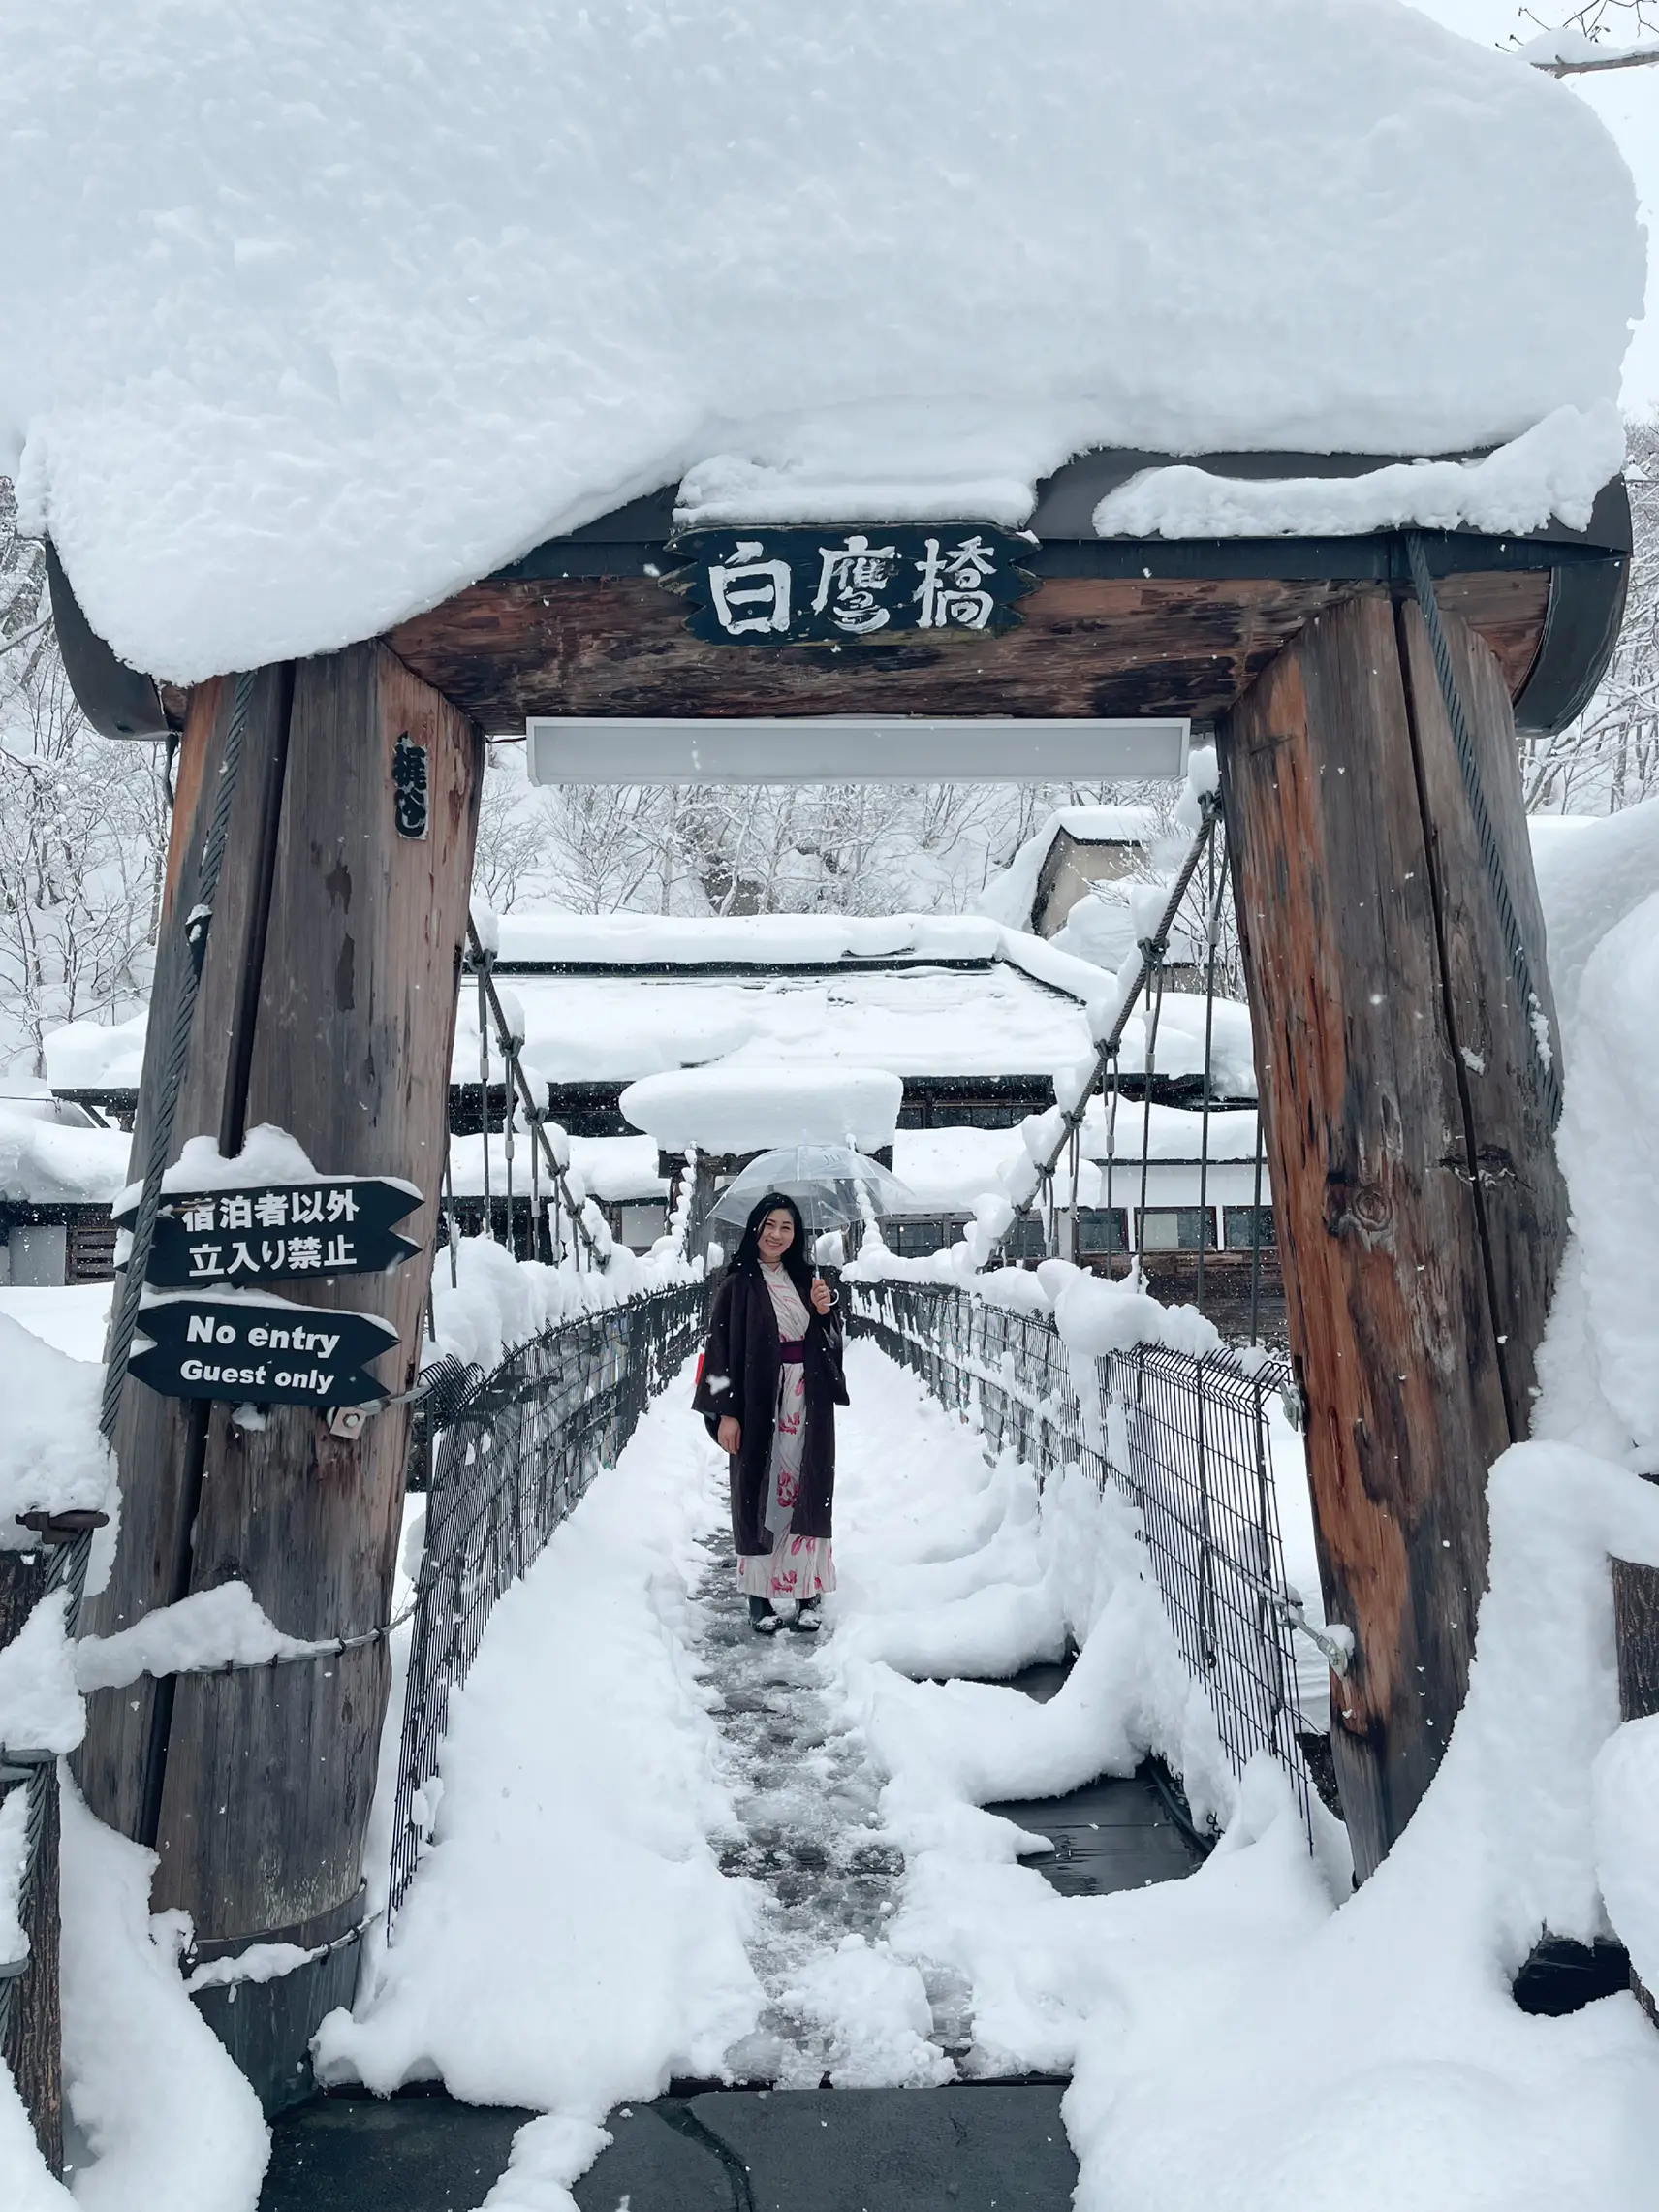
{"x":761,"y":941}
{"x":314,"y":314}
{"x":916,"y":1021}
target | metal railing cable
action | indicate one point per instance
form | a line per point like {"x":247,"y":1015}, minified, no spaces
{"x":1183,"y":1438}
{"x":1153,"y":950}
{"x":518,"y":1083}
{"x":70,"y":1535}
{"x":516,"y":1455}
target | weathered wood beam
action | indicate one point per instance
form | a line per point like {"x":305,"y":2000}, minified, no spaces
{"x":332,"y":1014}
{"x":159,"y":1440}
{"x":1084,"y":645}
{"x":1419,"y":1212}
{"x":33,"y":2048}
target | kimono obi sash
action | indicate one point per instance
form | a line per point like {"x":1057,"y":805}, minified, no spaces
{"x":792,"y":1354}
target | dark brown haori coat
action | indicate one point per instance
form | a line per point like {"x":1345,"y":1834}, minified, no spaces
{"x":739,"y":1377}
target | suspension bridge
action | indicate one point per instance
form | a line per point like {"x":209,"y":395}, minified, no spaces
{"x":317,"y":930}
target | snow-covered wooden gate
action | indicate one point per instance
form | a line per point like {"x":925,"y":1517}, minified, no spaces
{"x":1396,"y":967}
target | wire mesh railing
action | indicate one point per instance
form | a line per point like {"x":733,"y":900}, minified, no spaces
{"x":514,"y":1455}
{"x":1184,"y":1438}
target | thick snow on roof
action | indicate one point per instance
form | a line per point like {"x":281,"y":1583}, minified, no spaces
{"x":1009,"y":897}
{"x":746,"y":1110}
{"x":763,"y":940}
{"x":46,"y":1163}
{"x":916,"y":1021}
{"x":315,"y":313}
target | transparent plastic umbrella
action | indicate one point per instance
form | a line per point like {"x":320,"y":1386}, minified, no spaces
{"x":825,"y":1182}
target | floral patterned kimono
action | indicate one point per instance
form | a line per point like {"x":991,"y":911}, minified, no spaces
{"x":796,"y":1567}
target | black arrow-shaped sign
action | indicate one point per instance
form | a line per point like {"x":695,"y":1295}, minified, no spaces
{"x":260,"y":1351}
{"x":274,"y":1232}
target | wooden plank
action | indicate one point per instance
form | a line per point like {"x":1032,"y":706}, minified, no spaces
{"x":1378,"y":1231}
{"x":1521,"y":1193}
{"x":268,"y":1774}
{"x":1509,"y":608}
{"x":1084,"y":645}
{"x":158,"y":1441}
{"x":33,"y":2047}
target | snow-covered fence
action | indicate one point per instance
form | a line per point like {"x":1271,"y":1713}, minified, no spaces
{"x":514,"y":1458}
{"x":1185,"y":1438}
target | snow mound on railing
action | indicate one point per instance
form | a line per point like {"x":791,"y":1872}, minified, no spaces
{"x":498,"y":1302}
{"x":1092,"y":1316}
{"x":53,"y":1458}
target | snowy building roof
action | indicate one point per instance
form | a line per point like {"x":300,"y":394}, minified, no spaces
{"x":729,"y":1109}
{"x":915,"y":1020}
{"x":314,"y":315}
{"x":50,"y":1158}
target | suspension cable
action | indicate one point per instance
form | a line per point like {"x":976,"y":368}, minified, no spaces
{"x":1152,"y":950}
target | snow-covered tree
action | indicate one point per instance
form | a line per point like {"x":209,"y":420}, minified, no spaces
{"x":1609,"y":758}
{"x":83,"y":826}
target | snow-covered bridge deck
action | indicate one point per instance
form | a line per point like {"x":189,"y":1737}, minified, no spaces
{"x":671,"y":1852}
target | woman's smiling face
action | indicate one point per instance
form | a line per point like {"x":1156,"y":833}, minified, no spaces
{"x":778,"y":1234}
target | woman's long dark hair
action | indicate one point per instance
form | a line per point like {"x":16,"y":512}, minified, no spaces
{"x":746,"y":1259}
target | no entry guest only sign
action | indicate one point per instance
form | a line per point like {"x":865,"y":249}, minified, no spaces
{"x":265,"y":1351}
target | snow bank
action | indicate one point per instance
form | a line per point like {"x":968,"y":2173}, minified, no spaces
{"x":569,"y":1941}
{"x":261,"y":422}
{"x":1555,"y":469}
{"x":171,"y":2124}
{"x":1592,"y":872}
{"x":1465,"y":2103}
{"x":751,"y":1110}
{"x":1600,"y":1361}
{"x":53,"y":1458}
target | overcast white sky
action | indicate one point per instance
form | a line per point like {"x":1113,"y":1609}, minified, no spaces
{"x":1628,"y":103}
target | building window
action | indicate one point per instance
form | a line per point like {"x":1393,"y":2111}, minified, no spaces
{"x":1102,"y":1229}
{"x":1177,"y":1228}
{"x":914,"y":1239}
{"x":644,"y":1224}
{"x":1025,"y":1239}
{"x":1240,"y":1222}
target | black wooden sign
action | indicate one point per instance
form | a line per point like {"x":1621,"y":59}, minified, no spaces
{"x":410,"y":796}
{"x":274,"y":1232}
{"x":831,"y":586}
{"x":264,"y":1352}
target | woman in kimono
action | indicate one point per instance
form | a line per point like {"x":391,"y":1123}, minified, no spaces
{"x":768,"y":1387}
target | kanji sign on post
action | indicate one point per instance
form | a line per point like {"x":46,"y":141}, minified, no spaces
{"x":278,"y":1231}
{"x":262,"y":1350}
{"x":777,"y":588}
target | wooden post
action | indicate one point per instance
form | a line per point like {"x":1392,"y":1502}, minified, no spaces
{"x":1636,"y":1629}
{"x":1421,"y":1213}
{"x":33,"y":2048}
{"x":327,"y":1007}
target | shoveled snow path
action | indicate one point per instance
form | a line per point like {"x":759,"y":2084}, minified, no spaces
{"x":660,"y":1849}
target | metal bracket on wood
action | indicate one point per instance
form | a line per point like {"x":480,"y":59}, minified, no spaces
{"x":63,"y":1527}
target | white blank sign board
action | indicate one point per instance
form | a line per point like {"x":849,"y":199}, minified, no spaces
{"x":853,"y":749}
